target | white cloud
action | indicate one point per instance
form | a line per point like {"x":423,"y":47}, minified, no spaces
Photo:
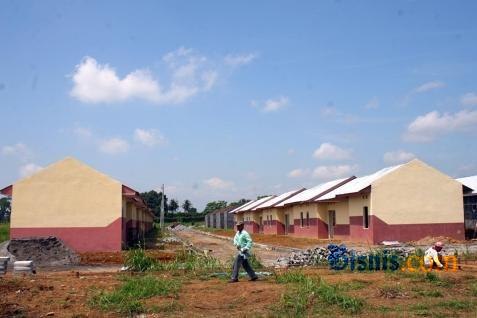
{"x":99,"y":83}
{"x":113,"y":146}
{"x":272,"y":105}
{"x":431,"y":125}
{"x":29,"y":169}
{"x":469,"y":99}
{"x":330,"y":151}
{"x":333,"y":172}
{"x":429,"y":86}
{"x":19,"y":150}
{"x":373,"y":103}
{"x":150,"y":138}
{"x":239,"y":59}
{"x":297,"y":173}
{"x":217,"y":183}
{"x":397,"y":157}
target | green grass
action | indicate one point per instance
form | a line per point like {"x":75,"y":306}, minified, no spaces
{"x":291,"y":276}
{"x":464,"y":305}
{"x":473,"y":289}
{"x":308,"y":295}
{"x":429,"y":293}
{"x":4,"y":232}
{"x":126,"y":299}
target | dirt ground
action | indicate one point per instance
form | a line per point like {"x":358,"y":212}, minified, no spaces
{"x":223,"y":250}
{"x":65,"y":294}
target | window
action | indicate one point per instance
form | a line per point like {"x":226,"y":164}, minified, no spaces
{"x":301,"y":219}
{"x":307,"y":219}
{"x":365,"y":217}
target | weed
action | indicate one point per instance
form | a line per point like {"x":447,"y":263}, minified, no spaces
{"x":354,"y":284}
{"x":464,"y":305}
{"x":126,"y":299}
{"x":306,"y":292}
{"x":291,"y":277}
{"x":473,"y":289}
{"x":429,"y":293}
{"x":138,"y":261}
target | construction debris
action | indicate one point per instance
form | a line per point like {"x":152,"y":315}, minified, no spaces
{"x":44,"y":251}
{"x":24,"y":267}
{"x":178,"y":227}
{"x":3,"y":265}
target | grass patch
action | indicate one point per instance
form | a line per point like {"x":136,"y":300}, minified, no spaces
{"x":308,"y":295}
{"x":473,"y":289}
{"x":138,"y":261}
{"x":463,"y":305}
{"x":354,"y":284}
{"x":4,"y":232}
{"x":291,"y":277}
{"x":392,"y":291}
{"x":126,"y":299}
{"x":429,"y":293}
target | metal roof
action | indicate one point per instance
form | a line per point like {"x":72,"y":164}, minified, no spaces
{"x":278,"y":199}
{"x":255,"y":204}
{"x":313,"y":192}
{"x":358,"y":184}
{"x":469,"y":182}
{"x":242,"y":206}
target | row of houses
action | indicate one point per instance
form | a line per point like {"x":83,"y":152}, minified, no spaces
{"x":87,"y":209}
{"x":405,"y":202}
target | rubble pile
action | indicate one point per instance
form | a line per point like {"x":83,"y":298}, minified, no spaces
{"x":334,"y":253}
{"x":171,"y":240}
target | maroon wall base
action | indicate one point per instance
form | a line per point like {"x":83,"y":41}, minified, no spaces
{"x":251,"y":227}
{"x":412,"y":232}
{"x":80,"y":239}
{"x":305,"y":231}
{"x":274,"y":227}
{"x":379,"y":230}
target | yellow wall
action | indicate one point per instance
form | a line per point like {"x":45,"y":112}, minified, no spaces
{"x":417,"y":193}
{"x":341,"y":209}
{"x":66,"y":194}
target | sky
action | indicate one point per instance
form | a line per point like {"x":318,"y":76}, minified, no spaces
{"x":222,"y":100}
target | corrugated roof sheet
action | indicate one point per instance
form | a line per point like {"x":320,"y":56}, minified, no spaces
{"x":358,"y":184}
{"x":256,"y":203}
{"x":470,"y":182}
{"x":278,"y":199}
{"x":242,"y":206}
{"x":311,"y":193}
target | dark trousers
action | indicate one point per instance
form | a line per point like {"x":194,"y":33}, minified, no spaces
{"x":241,"y":261}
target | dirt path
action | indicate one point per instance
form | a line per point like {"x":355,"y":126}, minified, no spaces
{"x":224,"y":250}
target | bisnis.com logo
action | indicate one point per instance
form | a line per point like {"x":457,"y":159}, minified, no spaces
{"x":391,"y":262}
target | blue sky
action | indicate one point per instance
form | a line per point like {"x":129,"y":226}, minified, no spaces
{"x":224,"y":101}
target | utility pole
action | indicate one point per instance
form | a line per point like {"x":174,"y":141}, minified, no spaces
{"x":161,"y":217}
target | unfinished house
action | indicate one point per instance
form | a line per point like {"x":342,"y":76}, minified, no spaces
{"x":248,"y":216}
{"x":220,"y":219}
{"x":86,"y":209}
{"x":470,"y":206}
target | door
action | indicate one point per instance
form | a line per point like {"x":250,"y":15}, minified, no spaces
{"x":261,"y":224}
{"x":287,"y":224}
{"x":331,"y":224}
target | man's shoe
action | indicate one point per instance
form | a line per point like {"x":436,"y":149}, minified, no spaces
{"x":233,"y":281}
{"x":253,"y":279}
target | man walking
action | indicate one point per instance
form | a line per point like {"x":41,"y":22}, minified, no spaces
{"x":243,"y":242}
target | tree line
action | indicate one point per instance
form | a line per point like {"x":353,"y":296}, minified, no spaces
{"x":5,"y":209}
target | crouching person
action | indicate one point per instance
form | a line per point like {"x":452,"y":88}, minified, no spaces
{"x":243,"y":242}
{"x":433,"y":257}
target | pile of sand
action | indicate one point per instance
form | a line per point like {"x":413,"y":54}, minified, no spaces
{"x":430,"y":240}
{"x":43,"y":251}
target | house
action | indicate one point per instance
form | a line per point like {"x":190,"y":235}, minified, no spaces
{"x":85,"y":208}
{"x":470,"y":206}
{"x":220,"y":219}
{"x":403,"y":203}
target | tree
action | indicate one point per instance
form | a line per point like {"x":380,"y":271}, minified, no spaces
{"x":153,"y":201}
{"x":187,"y":206}
{"x":214,"y":205}
{"x":5,"y":209}
{"x":173,"y":205}
{"x":239,"y":202}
